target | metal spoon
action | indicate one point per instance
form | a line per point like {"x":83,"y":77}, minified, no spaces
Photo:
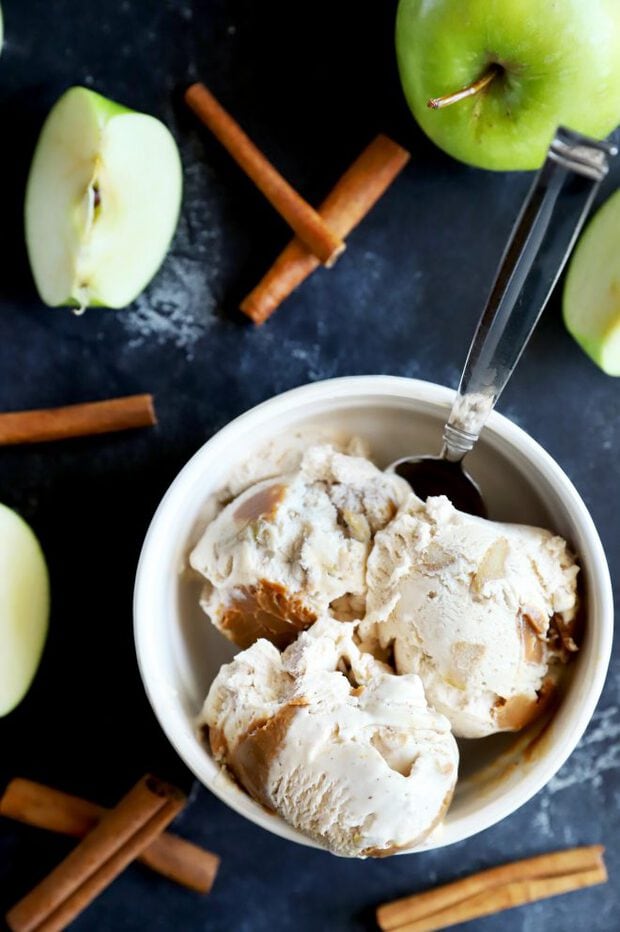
{"x":539,"y":245}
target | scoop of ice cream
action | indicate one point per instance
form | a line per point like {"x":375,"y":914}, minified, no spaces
{"x":481,"y":611}
{"x":294,"y":547}
{"x":331,"y":739}
{"x":278,"y":456}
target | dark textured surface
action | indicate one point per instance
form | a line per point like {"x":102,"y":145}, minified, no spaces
{"x":312,"y":84}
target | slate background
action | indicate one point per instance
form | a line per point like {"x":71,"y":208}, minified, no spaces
{"x":311,"y":84}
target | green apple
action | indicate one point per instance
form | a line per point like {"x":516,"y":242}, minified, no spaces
{"x":592,"y":288}
{"x":24,"y":608}
{"x":102,"y":201}
{"x":490,"y":80}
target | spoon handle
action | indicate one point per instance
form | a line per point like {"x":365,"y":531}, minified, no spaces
{"x":539,"y":245}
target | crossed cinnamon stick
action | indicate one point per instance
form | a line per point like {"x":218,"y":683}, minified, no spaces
{"x":319,"y":233}
{"x":46,"y":808}
{"x":112,"y":840}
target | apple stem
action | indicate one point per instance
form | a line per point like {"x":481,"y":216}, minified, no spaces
{"x":438,"y":103}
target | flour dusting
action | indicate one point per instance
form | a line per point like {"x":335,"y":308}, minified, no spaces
{"x":178,"y":307}
{"x":592,"y":758}
{"x":542,"y":819}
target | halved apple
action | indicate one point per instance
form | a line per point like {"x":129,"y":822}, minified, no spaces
{"x":102,"y":201}
{"x":592,"y":289}
{"x":24,"y":608}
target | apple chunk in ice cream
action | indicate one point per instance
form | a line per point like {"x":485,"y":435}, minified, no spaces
{"x":294,"y":547}
{"x":333,"y":741}
{"x":483,"y":612}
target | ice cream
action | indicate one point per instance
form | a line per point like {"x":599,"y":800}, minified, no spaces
{"x":376,"y":628}
{"x":294,"y":547}
{"x":331,"y":739}
{"x":482,"y":612}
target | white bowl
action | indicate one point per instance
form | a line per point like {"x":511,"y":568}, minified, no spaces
{"x":179,"y":652}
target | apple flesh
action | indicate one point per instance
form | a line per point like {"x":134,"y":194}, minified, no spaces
{"x":24,"y":608}
{"x":102,"y":201}
{"x":591,"y":301}
{"x":551,"y":64}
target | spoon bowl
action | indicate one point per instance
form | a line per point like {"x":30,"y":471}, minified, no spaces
{"x":434,"y":475}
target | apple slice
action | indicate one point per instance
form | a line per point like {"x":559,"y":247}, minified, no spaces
{"x":102,"y":201}
{"x":24,"y":608}
{"x":592,"y":289}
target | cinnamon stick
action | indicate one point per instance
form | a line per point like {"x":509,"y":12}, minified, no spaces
{"x":304,"y":220}
{"x":495,"y":889}
{"x":46,"y":808}
{"x":121,"y":835}
{"x":98,"y":417}
{"x":350,"y":200}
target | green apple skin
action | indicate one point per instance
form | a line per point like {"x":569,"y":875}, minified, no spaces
{"x":24,"y":608}
{"x":87,"y":252}
{"x":591,"y":300}
{"x":561,"y":64}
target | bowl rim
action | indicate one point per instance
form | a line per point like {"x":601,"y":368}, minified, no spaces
{"x":379,"y":387}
